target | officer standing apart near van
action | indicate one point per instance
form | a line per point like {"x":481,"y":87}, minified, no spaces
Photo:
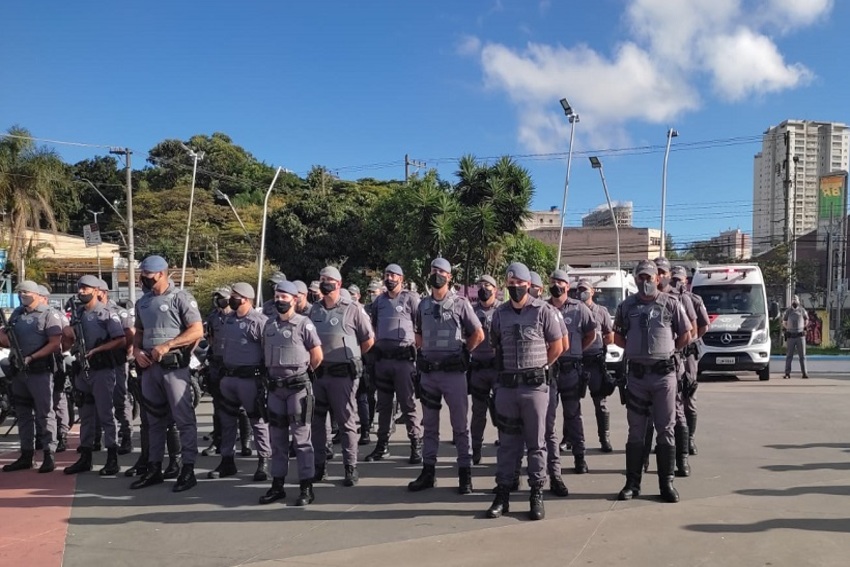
{"x":794,"y":322}
{"x":447,"y":330}
{"x":168,"y":324}
{"x":650,"y":326}
{"x":527,"y":336}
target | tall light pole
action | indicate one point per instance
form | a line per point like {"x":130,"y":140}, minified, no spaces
{"x":97,"y":247}
{"x":596,"y":164}
{"x":670,"y":135}
{"x":573,"y":118}
{"x":131,"y":241}
{"x":196,"y":156}
{"x":223,"y":197}
{"x":263,"y":238}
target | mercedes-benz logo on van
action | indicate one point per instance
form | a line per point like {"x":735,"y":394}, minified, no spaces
{"x":726,"y":338}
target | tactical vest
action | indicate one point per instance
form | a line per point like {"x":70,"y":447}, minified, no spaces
{"x":796,"y":320}
{"x":394,"y":319}
{"x":598,"y":313}
{"x":338,"y":345}
{"x":649,"y":327}
{"x":571,"y":311}
{"x":30,"y":328}
{"x":441,"y":329}
{"x":215,"y":321}
{"x":160,"y":317}
{"x":522,"y":342}
{"x":241,"y":349}
{"x":485,"y":350}
{"x":285,"y":353}
{"x":94,"y":325}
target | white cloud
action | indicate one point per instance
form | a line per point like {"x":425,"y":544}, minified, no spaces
{"x":652,"y":75}
{"x":469,"y":45}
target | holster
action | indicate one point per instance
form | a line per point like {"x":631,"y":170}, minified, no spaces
{"x":261,"y":407}
{"x":173,"y":359}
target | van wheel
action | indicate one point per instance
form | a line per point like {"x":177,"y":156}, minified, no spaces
{"x":764,"y":374}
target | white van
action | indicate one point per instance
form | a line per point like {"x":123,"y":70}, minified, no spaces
{"x":738,"y":337}
{"x":610,"y":289}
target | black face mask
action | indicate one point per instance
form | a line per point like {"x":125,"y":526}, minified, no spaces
{"x":556,"y":291}
{"x":517,"y":293}
{"x":390,"y":284}
{"x":221,"y":302}
{"x":85,"y":297}
{"x":437,"y":281}
{"x":485,"y":294}
{"x":313,"y":297}
{"x":283,"y":306}
{"x":327,"y":287}
{"x":147,"y":282}
{"x":234,"y":303}
{"x":534,"y":292}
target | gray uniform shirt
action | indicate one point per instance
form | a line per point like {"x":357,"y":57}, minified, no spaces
{"x":34,"y":328}
{"x":287,"y":345}
{"x":795,"y":317}
{"x":578,"y":320}
{"x":350,"y":319}
{"x":161,"y":318}
{"x":215,"y":326}
{"x":603,"y":328}
{"x":444,"y":325}
{"x":99,"y":325}
{"x":651,"y":327}
{"x":485,"y":350}
{"x":128,"y":318}
{"x":242,"y":339}
{"x":393,"y":319}
{"x":523,"y":336}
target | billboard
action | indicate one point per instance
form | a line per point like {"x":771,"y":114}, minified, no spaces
{"x":831,"y":191}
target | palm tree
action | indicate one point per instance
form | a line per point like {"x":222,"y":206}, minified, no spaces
{"x":29,"y":177}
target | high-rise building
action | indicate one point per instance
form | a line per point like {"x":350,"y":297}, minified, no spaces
{"x":601,"y":215}
{"x":794,"y":155}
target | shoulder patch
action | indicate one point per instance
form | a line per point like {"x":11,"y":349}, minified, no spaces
{"x":116,"y":318}
{"x":194,"y":304}
{"x":124,"y":315}
{"x":310,"y":327}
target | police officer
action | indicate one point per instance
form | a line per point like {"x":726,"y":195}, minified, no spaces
{"x":267,"y":308}
{"x":794,"y":323}
{"x":168,"y":325}
{"x":36,"y":330}
{"x":536,"y":289}
{"x":527,"y":337}
{"x":346,"y":334}
{"x":292,"y":351}
{"x":367,"y":394}
{"x":571,"y":385}
{"x":482,"y":365}
{"x":302,"y":306}
{"x":314,"y":294}
{"x":355,"y":293}
{"x":241,"y":384}
{"x":98,"y":329}
{"x":60,"y":400}
{"x":447,"y":330}
{"x":650,"y":326}
{"x":214,"y":327}
{"x":392,"y":318}
{"x":593,"y":363}
{"x":679,"y":281}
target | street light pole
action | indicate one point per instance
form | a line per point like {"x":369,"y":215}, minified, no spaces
{"x":97,"y":247}
{"x":670,"y":135}
{"x":595,"y":163}
{"x":263,"y":238}
{"x":196,"y":157}
{"x":131,"y":243}
{"x":223,"y":197}
{"x":573,"y":118}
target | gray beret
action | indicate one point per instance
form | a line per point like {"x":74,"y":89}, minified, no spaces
{"x":301,"y":286}
{"x":585,"y":283}
{"x":374,"y":286}
{"x":314,"y":285}
{"x":243,"y":289}
{"x":89,"y":281}
{"x":536,"y":279}
{"x":223,"y":291}
{"x":277,"y":277}
{"x":344,"y":294}
{"x":331,"y":272}
{"x":28,"y":286}
{"x":153,"y":264}
{"x":102,"y":285}
{"x":518,"y":270}
{"x":441,"y":264}
{"x":353,"y":289}
{"x":287,"y":287}
{"x":488,"y":279}
{"x":394,"y":269}
{"x":43,"y":291}
{"x":663,"y":264}
{"x":646,"y":267}
{"x":679,"y":272}
{"x":560,"y":275}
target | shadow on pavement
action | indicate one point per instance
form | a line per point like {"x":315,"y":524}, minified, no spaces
{"x":839,"y":525}
{"x":797,"y":491}
{"x":845,"y":446}
{"x":844,"y":466}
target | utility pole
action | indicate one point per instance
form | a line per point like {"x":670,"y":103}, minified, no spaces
{"x":97,"y":247}
{"x":789,"y":287}
{"x":411,"y":162}
{"x":131,"y":246}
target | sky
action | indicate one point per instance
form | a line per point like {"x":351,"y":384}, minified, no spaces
{"x":354,"y":86}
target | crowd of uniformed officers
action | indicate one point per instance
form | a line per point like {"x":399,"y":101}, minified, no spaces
{"x":313,"y":360}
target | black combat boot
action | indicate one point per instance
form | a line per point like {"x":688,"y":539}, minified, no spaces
{"x":415,"y":452}
{"x":352,"y":477}
{"x":98,"y":439}
{"x":226,"y":467}
{"x":381,"y":450}
{"x":476,"y":455}
{"x":49,"y":463}
{"x":426,"y":479}
{"x":172,"y":470}
{"x":501,"y":504}
{"x":634,"y":471}
{"x":536,"y":511}
{"x":557,"y":486}
{"x":23,"y":463}
{"x":111,"y":467}
{"x":245,"y":435}
{"x":39,"y":444}
{"x":329,"y":451}
{"x":152,"y":476}
{"x":141,"y":466}
{"x":580,"y":466}
{"x":262,"y":472}
{"x":464,"y":480}
{"x":692,"y":429}
{"x":186,"y":480}
{"x":321,"y":472}
{"x":62,"y":444}
{"x":126,"y":446}
{"x":172,"y":443}
{"x":274,"y":493}
{"x":682,"y":466}
{"x":365,"y":439}
{"x":666,"y":460}
{"x":603,"y":425}
{"x":306,"y":496}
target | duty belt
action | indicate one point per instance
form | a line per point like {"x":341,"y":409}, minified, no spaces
{"x":533,"y":377}
{"x":691,"y":350}
{"x":245,"y":371}
{"x":397,"y":353}
{"x":296,"y":382}
{"x":451,"y":364}
{"x":590,"y":359}
{"x":476,"y":364}
{"x":569,"y":364}
{"x":794,"y":335}
{"x":662,"y":367}
{"x":338,"y":370}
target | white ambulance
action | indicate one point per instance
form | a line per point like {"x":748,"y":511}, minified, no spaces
{"x":738,"y":337}
{"x":611,"y":287}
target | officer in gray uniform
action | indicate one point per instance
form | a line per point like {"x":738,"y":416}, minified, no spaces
{"x":651,"y":326}
{"x":447,"y":330}
{"x":482,"y":365}
{"x":393,"y":313}
{"x":355,"y":293}
{"x":242,"y":381}
{"x":593,"y":363}
{"x":37,"y":331}
{"x":526,"y":334}
{"x":679,"y":281}
{"x":302,"y":306}
{"x":168,"y":325}
{"x":346,"y":334}
{"x":123,"y":404}
{"x":268,"y":306}
{"x":314,"y":295}
{"x":99,"y":329}
{"x":367,"y":394}
{"x":794,"y":323}
{"x":292,"y":350}
{"x":214,"y":327}
{"x":536,"y":289}
{"x":60,"y":400}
